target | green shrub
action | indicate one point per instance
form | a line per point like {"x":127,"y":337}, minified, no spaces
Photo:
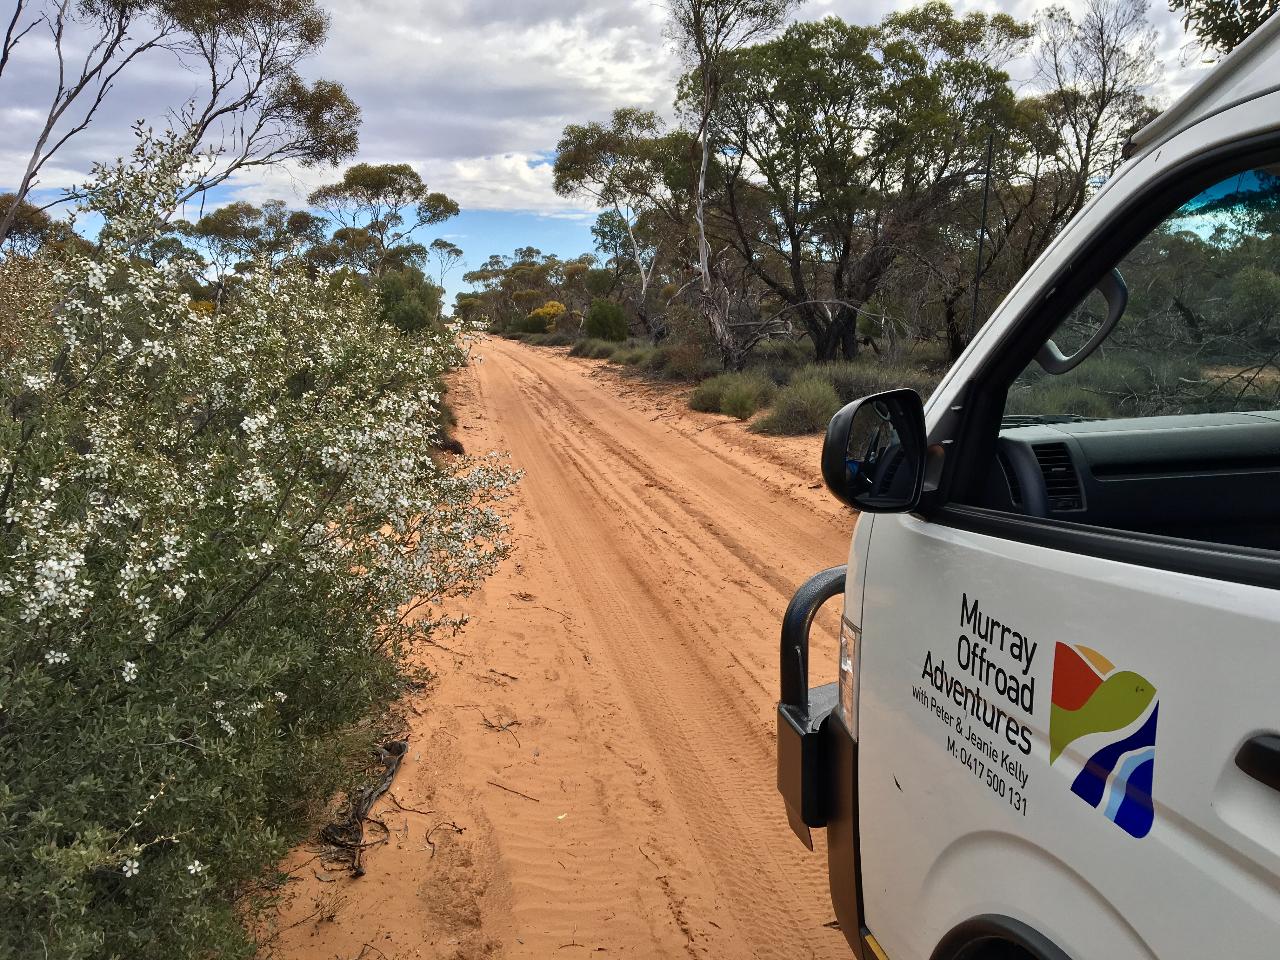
{"x":659,"y":357}
{"x":736,"y":394}
{"x":209,"y":542}
{"x":606,"y":320}
{"x":543,"y":319}
{"x":680,"y":361}
{"x":633,"y":356}
{"x":858,"y":378}
{"x":583,"y":348}
{"x":594,"y":349}
{"x":746,"y":394}
{"x":708,"y":395}
{"x":805,"y":406}
{"x":409,"y":301}
{"x":780,"y":358}
{"x":557,"y":340}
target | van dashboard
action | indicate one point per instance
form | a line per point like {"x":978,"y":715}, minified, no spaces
{"x":1197,"y":476}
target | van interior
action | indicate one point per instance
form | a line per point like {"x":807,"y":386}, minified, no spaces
{"x":1166,"y":418}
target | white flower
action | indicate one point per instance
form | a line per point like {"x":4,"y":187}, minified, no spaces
{"x":129,"y":671}
{"x":55,"y":657}
{"x":131,"y":868}
{"x":280,"y":696}
{"x":195,"y":868}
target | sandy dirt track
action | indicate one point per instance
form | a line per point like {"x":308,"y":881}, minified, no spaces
{"x":592,"y":772}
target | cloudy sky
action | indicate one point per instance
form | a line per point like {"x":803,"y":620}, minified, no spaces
{"x":473,"y":93}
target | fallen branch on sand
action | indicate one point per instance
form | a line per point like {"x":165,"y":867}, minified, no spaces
{"x":347,"y":833}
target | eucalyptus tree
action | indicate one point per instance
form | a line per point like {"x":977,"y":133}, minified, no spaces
{"x":379,"y":208}
{"x":840,"y":144}
{"x":612,"y":165}
{"x":706,"y":34}
{"x":1063,"y":139}
{"x":1222,"y":25}
{"x":252,"y":108}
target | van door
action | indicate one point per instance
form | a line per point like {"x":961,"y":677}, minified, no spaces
{"x":1068,"y":681}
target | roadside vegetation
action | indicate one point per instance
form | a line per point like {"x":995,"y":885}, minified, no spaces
{"x":227,"y":510}
{"x":786,"y":226}
{"x":784,"y":249}
{"x":224,"y":531}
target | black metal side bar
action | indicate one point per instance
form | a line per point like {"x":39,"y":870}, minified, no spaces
{"x":802,"y":713}
{"x":794,"y":653}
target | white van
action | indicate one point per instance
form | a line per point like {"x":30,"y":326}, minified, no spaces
{"x":1056,"y":729}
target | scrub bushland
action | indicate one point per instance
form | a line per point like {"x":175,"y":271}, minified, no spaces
{"x":221,"y":532}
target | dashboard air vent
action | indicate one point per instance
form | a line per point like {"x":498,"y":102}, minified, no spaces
{"x":1061,"y":482}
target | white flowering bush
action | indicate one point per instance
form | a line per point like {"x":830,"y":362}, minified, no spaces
{"x":220,"y":534}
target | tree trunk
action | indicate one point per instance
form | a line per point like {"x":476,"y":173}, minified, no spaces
{"x":957,"y":338}
{"x":849,"y":341}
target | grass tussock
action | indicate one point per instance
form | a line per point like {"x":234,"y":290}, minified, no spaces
{"x":803,"y":406}
{"x":736,"y":394}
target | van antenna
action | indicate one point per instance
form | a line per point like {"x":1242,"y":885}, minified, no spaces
{"x":982,"y":235}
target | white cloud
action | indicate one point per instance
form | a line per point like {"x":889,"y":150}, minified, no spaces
{"x":472,"y":93}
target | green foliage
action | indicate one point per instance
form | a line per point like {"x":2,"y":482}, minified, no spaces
{"x":602,"y":349}
{"x":1255,"y":298}
{"x":544,"y":318}
{"x":210,"y":542}
{"x":31,"y":228}
{"x":780,"y":358}
{"x":594,"y":348}
{"x":854,"y":379}
{"x":679,"y":359}
{"x":600,"y":282}
{"x":708,"y":395}
{"x":1130,"y":383}
{"x":551,"y":340}
{"x":631,"y":356}
{"x":606,"y":320}
{"x":746,"y":394}
{"x":380,"y":207}
{"x":1222,"y":25}
{"x":805,"y":406}
{"x":737,"y":394}
{"x":409,"y":301}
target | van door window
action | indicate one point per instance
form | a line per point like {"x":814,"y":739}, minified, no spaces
{"x":1169,"y":423}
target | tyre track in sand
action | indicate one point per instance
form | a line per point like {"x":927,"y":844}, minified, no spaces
{"x":655,"y":556}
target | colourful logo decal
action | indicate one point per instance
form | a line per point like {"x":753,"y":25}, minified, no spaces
{"x":1110,"y":715}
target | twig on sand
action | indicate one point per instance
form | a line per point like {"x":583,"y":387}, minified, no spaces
{"x":495,"y":783}
{"x":407,"y":809}
{"x":506,"y":726}
{"x":436,"y":643}
{"x":458,"y":831}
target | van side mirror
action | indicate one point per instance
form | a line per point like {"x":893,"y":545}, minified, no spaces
{"x":874,"y":456}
